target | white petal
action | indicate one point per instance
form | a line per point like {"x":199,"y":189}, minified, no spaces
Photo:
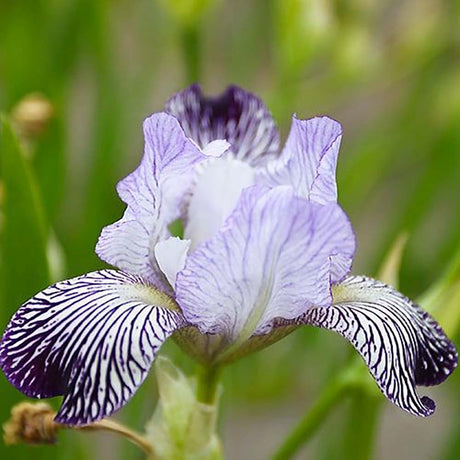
{"x":215,"y":196}
{"x":171,"y":255}
{"x":216,"y":148}
{"x":309,"y":159}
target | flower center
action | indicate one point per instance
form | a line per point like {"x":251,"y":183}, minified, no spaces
{"x":147,"y":294}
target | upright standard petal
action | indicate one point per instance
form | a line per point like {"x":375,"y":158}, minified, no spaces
{"x":218,"y":186}
{"x":400,"y":343}
{"x":309,"y":159}
{"x":171,"y":255}
{"x":91,"y":339}
{"x":271,"y":259}
{"x":154,"y":193}
{"x":216,"y":148}
{"x":236,"y":115}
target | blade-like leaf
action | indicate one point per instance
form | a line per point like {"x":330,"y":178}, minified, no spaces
{"x":24,"y":264}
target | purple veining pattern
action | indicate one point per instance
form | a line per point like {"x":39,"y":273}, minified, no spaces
{"x":282,"y":257}
{"x":309,"y":159}
{"x":273,"y":254}
{"x":236,"y":115}
{"x":401,"y":344}
{"x":154,"y":193}
{"x":88,"y":338}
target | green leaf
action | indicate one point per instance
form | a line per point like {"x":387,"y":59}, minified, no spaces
{"x":23,"y":261}
{"x":442,"y":299}
{"x":389,"y":270}
{"x":24,"y":264}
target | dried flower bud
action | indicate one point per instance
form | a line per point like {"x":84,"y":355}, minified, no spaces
{"x":31,"y":115}
{"x":34,"y":424}
{"x":31,"y":423}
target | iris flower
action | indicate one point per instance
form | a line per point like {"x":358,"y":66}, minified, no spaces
{"x":265,"y":250}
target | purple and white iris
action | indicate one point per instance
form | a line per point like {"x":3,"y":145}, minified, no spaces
{"x":265,"y":249}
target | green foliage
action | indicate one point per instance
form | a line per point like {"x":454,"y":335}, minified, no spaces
{"x":25,"y":268}
{"x":187,"y":12}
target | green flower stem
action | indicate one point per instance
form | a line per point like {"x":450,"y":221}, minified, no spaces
{"x":208,"y":378}
{"x":329,"y":398}
{"x":353,"y":379}
{"x":117,"y":428}
{"x":191,"y":50}
{"x":361,"y":425}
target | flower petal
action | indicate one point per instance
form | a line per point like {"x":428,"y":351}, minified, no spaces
{"x":218,"y":186}
{"x":400,"y":343}
{"x":271,"y":259}
{"x":170,"y":255}
{"x":309,"y":160}
{"x":154,"y":193}
{"x":236,"y":115}
{"x":91,"y":339}
{"x":216,"y":148}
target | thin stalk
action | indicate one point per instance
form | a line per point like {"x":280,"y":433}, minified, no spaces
{"x":117,"y":428}
{"x":33,"y":423}
{"x":362,"y":423}
{"x":308,"y":425}
{"x":191,"y":50}
{"x":208,"y":378}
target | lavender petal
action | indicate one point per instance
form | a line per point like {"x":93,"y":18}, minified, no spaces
{"x":155,"y":193}
{"x":309,"y":159}
{"x":272,"y":258}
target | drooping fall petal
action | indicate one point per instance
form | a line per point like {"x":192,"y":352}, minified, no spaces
{"x":91,"y":339}
{"x":402,"y":345}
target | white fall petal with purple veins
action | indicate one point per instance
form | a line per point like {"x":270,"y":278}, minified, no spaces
{"x":400,"y":343}
{"x":92,"y":339}
{"x":266,"y":247}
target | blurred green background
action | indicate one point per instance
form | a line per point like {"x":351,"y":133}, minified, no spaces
{"x":388,"y":70}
